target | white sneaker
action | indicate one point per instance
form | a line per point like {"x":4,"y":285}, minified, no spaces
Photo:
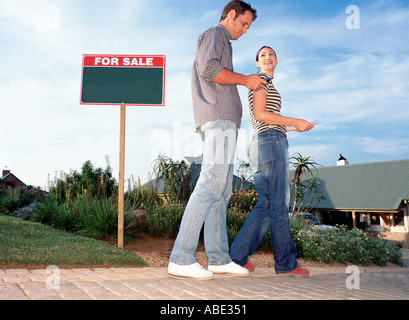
{"x":194,"y":271}
{"x":230,"y":268}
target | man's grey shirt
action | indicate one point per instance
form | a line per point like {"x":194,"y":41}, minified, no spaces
{"x":212,"y":101}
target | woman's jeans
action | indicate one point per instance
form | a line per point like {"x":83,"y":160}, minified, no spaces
{"x":268,"y":155}
{"x":208,"y":202}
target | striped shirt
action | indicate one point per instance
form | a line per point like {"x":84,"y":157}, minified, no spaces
{"x":273,"y":104}
{"x":213,"y":101}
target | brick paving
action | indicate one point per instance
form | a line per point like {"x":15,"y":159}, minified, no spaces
{"x":325,"y":283}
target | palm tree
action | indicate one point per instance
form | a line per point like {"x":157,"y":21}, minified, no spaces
{"x":309,"y":189}
{"x":301,"y":164}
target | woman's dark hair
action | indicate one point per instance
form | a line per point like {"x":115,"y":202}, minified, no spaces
{"x":262,"y":49}
{"x":240,"y":7}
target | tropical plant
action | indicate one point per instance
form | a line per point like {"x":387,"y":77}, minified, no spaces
{"x":175,"y":176}
{"x":244,"y":172}
{"x":309,"y":195}
{"x":301,"y":165}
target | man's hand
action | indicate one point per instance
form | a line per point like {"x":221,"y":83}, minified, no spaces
{"x":254,"y":82}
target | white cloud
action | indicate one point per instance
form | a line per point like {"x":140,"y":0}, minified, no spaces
{"x":352,"y":81}
{"x":384,"y":146}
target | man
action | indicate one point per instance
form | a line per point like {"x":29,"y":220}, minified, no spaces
{"x":217,"y":110}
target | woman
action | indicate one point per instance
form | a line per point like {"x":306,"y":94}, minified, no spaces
{"x":268,"y":155}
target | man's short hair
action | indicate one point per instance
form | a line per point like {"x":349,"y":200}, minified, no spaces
{"x":240,"y":7}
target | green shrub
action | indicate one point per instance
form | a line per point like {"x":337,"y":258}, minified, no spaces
{"x":235,"y":219}
{"x":346,"y":246}
{"x":67,"y":216}
{"x":13,"y":199}
{"x":164,"y":220}
{"x":26,"y":212}
{"x":99,"y":219}
{"x":9,"y":204}
{"x":240,"y":204}
{"x":143,"y":198}
{"x":243,"y":200}
{"x":92,"y":217}
{"x":97,"y":182}
{"x":45,"y":211}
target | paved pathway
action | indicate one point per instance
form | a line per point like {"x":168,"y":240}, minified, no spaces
{"x":325,"y":283}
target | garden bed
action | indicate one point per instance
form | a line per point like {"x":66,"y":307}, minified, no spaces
{"x":156,"y":252}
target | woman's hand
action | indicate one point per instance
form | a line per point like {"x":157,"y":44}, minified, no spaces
{"x":303,"y":125}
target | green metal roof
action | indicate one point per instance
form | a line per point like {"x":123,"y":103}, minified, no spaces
{"x":369,"y":186}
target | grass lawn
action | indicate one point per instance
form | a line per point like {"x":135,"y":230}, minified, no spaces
{"x":25,"y":244}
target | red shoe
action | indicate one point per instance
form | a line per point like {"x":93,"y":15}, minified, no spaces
{"x":296,"y":273}
{"x":249,"y":266}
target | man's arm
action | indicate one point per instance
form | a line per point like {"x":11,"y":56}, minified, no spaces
{"x":252,"y":82}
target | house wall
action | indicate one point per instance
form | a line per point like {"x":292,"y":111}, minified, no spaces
{"x":401,"y":238}
{"x":390,"y":222}
{"x":11,"y":182}
{"x":333,"y":218}
{"x":391,"y":229}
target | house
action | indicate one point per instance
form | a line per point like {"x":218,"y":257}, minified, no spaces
{"x":368,"y":195}
{"x":195,"y":164}
{"x":10,"y":180}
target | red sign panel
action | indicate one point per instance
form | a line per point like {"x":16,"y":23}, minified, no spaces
{"x":138,"y":61}
{"x":123,"y":79}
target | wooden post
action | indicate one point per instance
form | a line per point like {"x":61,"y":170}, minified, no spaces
{"x":121,"y":177}
{"x":354,"y":216}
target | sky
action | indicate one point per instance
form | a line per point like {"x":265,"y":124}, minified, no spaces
{"x":342,"y":63}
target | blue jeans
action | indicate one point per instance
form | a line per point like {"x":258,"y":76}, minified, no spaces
{"x":268,"y":155}
{"x":208,"y":202}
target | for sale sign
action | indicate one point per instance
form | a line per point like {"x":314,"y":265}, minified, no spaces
{"x":123,"y":79}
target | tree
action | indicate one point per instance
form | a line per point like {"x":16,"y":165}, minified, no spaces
{"x":302,"y":165}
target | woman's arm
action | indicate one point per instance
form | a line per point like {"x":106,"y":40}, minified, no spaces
{"x":261,"y":114}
